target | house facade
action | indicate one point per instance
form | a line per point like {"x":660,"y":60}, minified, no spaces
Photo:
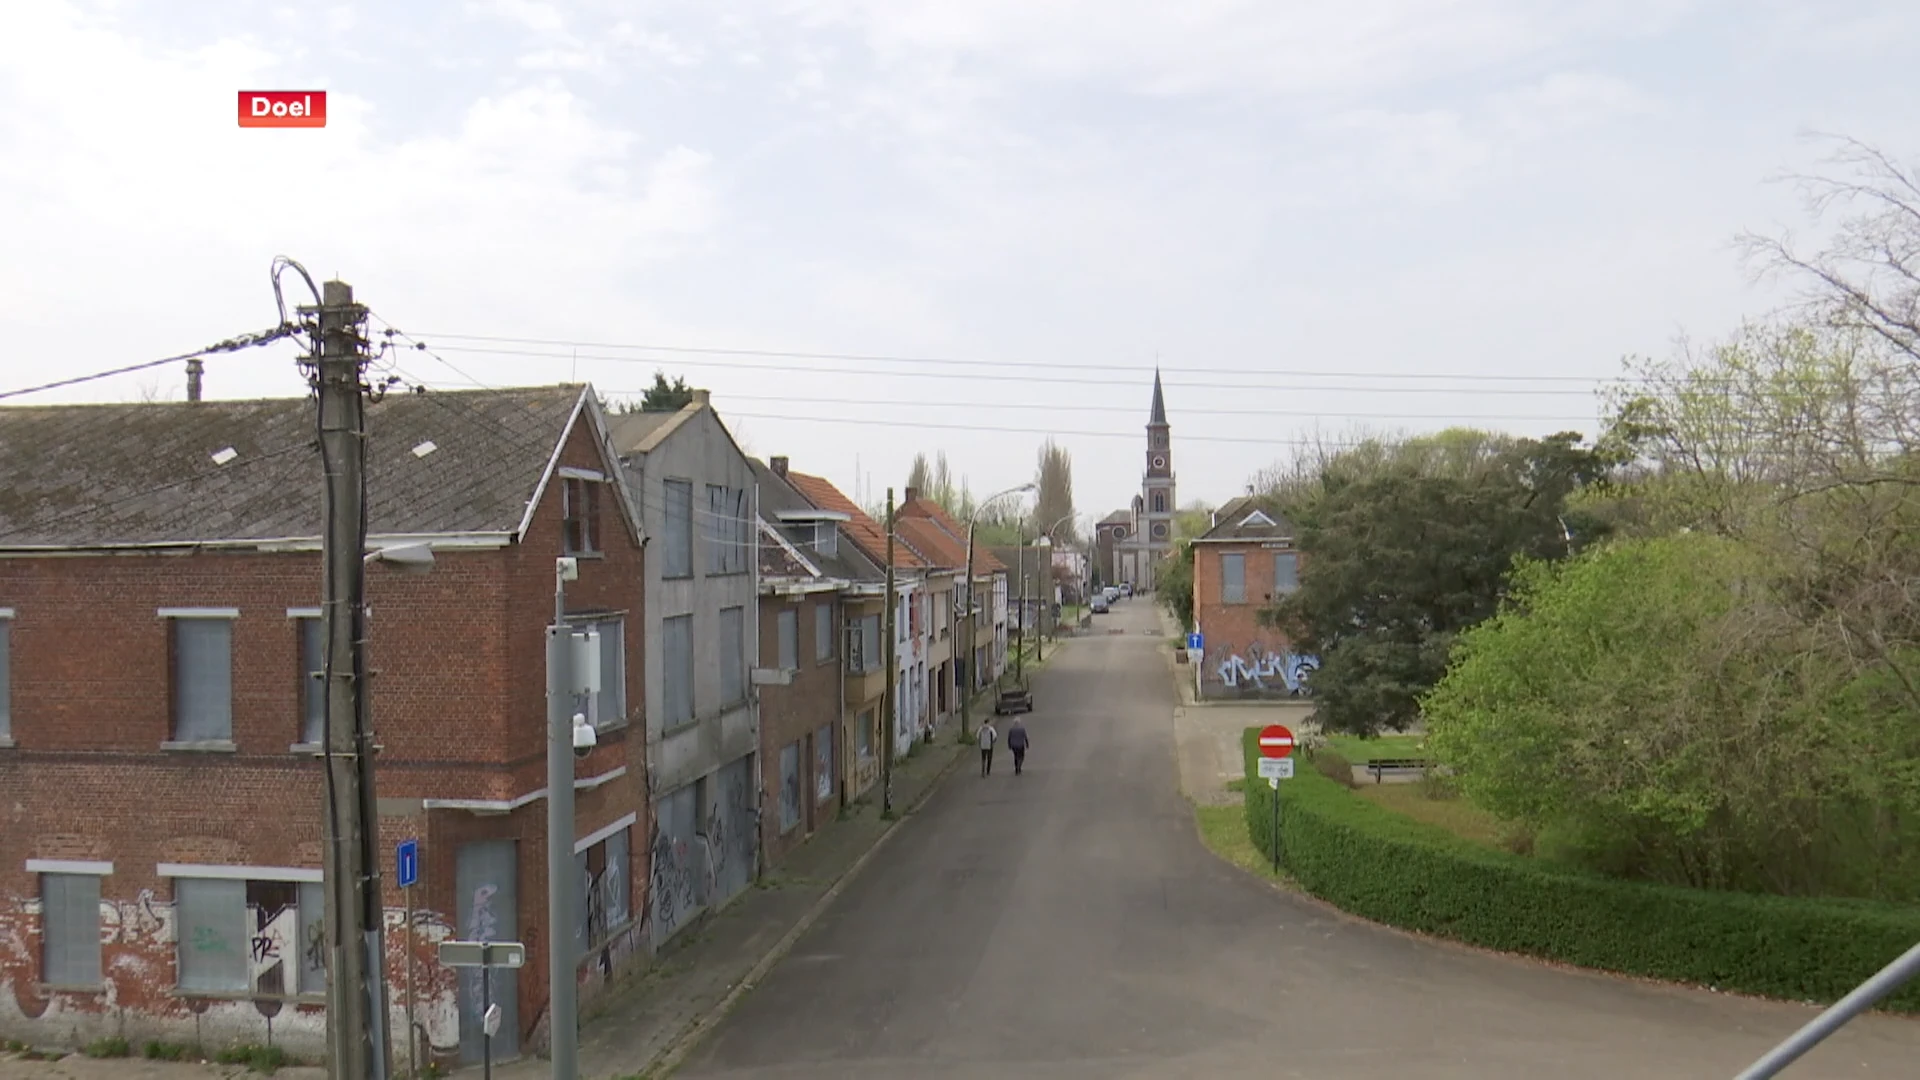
{"x":696,"y":494}
{"x":975,"y":658}
{"x":161,"y":870}
{"x":1245,"y":562}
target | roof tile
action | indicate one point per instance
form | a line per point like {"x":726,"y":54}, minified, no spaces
{"x":866,"y":533}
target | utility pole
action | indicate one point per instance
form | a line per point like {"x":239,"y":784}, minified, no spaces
{"x":1020,"y":643}
{"x":563,"y":1032}
{"x":887,"y":701}
{"x":966,"y":692}
{"x":356,"y":959}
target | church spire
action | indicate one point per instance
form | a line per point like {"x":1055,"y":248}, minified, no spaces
{"x":1159,"y":401}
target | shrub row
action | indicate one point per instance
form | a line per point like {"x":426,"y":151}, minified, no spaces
{"x":1372,"y":862}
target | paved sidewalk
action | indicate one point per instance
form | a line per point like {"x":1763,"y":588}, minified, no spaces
{"x":637,"y":1027}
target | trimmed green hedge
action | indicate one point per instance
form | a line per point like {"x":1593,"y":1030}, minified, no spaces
{"x":1384,"y":866}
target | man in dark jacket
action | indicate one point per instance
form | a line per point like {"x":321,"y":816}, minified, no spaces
{"x":1017,"y":742}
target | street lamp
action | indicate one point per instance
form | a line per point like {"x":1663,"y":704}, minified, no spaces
{"x":966,"y":693}
{"x":1046,"y":602}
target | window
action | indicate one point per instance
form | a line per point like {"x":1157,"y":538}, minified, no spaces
{"x":823,"y":763}
{"x":580,"y":510}
{"x":312,"y":672}
{"x":1233,"y":578}
{"x":826,"y":538}
{"x":677,"y":560}
{"x":1159,"y":502}
{"x":6,"y":676}
{"x":70,"y":929}
{"x":726,"y":530}
{"x":202,"y":679}
{"x":823,"y":649}
{"x":863,"y":735}
{"x":733,"y":675}
{"x":603,"y":907}
{"x":1286,"y":572}
{"x":264,"y":937}
{"x":788,"y":622}
{"x":789,"y":786}
{"x":863,"y":646}
{"x":607,"y":707}
{"x":676,"y":669}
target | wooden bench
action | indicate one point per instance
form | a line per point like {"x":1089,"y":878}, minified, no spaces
{"x":1379,"y":767}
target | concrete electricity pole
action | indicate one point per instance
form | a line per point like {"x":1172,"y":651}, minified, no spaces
{"x":563,"y":1032}
{"x":887,"y":701}
{"x":356,"y":958}
{"x":973,"y":677}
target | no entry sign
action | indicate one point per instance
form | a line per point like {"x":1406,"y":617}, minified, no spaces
{"x":1275,"y":741}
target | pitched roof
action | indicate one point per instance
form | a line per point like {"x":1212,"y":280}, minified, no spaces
{"x":1159,"y":415}
{"x":778,"y":559}
{"x":932,"y":543}
{"x":866,"y":533}
{"x":1118,"y":517}
{"x":777,"y":494}
{"x":1248,"y":517}
{"x":926,"y":509}
{"x":90,"y":476}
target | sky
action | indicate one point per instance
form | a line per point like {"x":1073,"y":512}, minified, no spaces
{"x":876,"y":227}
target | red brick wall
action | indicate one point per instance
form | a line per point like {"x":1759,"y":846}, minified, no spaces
{"x":1241,"y":657}
{"x":458,"y":709}
{"x":796,"y":713}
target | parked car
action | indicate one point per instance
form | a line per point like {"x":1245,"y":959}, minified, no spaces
{"x":1099,"y":605}
{"x":1126,"y":589}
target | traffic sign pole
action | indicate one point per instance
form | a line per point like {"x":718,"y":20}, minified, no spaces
{"x":1276,"y":743}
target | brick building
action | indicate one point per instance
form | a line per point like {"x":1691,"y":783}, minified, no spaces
{"x":1241,"y":564}
{"x":160,"y":580}
{"x":945,"y":542}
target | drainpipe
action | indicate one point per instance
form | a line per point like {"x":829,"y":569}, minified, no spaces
{"x":752,"y":529}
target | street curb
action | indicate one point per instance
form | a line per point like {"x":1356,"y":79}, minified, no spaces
{"x":683,"y":1044}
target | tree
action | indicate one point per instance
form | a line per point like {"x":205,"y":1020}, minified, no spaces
{"x":933,"y":480}
{"x":1175,"y":584}
{"x":662,"y":396}
{"x":1402,"y":554}
{"x":1054,"y":480}
{"x":1192,"y":521}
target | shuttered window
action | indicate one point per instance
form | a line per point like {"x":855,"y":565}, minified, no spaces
{"x":70,"y":929}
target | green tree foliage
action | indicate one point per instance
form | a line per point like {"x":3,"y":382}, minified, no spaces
{"x":934,"y":480}
{"x":1174,"y":583}
{"x":662,"y":396}
{"x":1655,"y":711}
{"x":1409,"y":546}
{"x":1053,"y":479}
{"x":1192,"y":520}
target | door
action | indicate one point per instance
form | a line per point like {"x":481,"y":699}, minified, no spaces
{"x":733,"y":838}
{"x":485,"y":873}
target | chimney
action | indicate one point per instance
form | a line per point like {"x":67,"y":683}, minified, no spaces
{"x":194,"y":368}
{"x":700,"y":398}
{"x":912,"y":494}
{"x":778,"y":465}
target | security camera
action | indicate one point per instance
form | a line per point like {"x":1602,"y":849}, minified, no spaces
{"x":584,"y":737}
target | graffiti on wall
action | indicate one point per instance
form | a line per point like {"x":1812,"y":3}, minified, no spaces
{"x":1253,"y":668}
{"x":673,"y":886}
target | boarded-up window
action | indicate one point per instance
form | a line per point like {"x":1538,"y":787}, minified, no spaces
{"x":202,"y":680}
{"x":823,"y":763}
{"x":676,"y":558}
{"x":312,"y":670}
{"x":6,"y":678}
{"x":733,"y":672}
{"x":789,"y":786}
{"x":607,"y":706}
{"x":863,"y":735}
{"x":726,"y":530}
{"x":70,"y":935}
{"x":788,"y":622}
{"x":605,"y":888}
{"x":1233,"y":578}
{"x":580,"y":514}
{"x":211,"y":919}
{"x":822,"y":633}
{"x":676,"y":674}
{"x":313,"y":937}
{"x":1286,"y":572}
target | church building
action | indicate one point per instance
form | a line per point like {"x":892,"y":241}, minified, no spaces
{"x":1131,"y":544}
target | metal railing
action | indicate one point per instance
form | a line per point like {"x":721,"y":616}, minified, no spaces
{"x":1864,"y":997}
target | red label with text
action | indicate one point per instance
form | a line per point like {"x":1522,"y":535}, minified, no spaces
{"x":283,"y":108}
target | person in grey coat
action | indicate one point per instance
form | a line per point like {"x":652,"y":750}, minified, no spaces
{"x":1017,"y":742}
{"x":987,"y":736}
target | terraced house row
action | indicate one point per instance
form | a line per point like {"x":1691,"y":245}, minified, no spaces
{"x":160,"y":577}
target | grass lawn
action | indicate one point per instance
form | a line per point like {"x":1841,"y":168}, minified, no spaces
{"x":1224,"y":830}
{"x":1360,"y":751}
{"x":1456,"y":815}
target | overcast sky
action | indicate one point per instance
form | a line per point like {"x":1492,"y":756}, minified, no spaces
{"x":1255,"y":195}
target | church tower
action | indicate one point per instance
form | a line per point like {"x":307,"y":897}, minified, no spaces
{"x":1156,"y":485}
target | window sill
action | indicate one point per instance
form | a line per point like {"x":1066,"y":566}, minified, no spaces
{"x":6,"y":742}
{"x":98,"y":989}
{"x":202,"y":746}
{"x":675,"y":729}
{"x":688,"y":576}
{"x":313,"y":748}
{"x":583,"y":554}
{"x":246,"y":995}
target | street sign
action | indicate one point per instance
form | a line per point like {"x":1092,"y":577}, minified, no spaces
{"x":491,"y":954}
{"x":1196,"y":641}
{"x":407,"y":862}
{"x":1276,"y":768}
{"x":1275,"y":741}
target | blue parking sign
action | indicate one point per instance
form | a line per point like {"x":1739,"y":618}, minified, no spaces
{"x":407,"y":862}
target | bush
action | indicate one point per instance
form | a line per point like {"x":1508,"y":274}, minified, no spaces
{"x":166,"y":1051}
{"x":1333,"y":765}
{"x":1377,"y":864}
{"x":111,"y":1047}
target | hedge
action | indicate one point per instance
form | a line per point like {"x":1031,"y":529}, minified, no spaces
{"x":1372,"y":862}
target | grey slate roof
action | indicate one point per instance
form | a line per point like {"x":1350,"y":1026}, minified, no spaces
{"x":1230,"y":521}
{"x":93,"y":476}
{"x":1159,"y":413}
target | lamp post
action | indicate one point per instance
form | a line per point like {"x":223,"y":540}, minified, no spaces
{"x":966,"y":694}
{"x":1046,"y":602}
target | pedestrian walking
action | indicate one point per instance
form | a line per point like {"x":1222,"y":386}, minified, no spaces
{"x":987,"y":735}
{"x":1017,"y":742}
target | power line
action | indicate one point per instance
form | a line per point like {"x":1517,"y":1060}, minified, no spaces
{"x":232,"y":344}
{"x":1051,"y":364}
{"x":1336,"y":444}
{"x":1056,"y":379}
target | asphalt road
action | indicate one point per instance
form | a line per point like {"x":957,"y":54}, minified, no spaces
{"x":1069,"y":923}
